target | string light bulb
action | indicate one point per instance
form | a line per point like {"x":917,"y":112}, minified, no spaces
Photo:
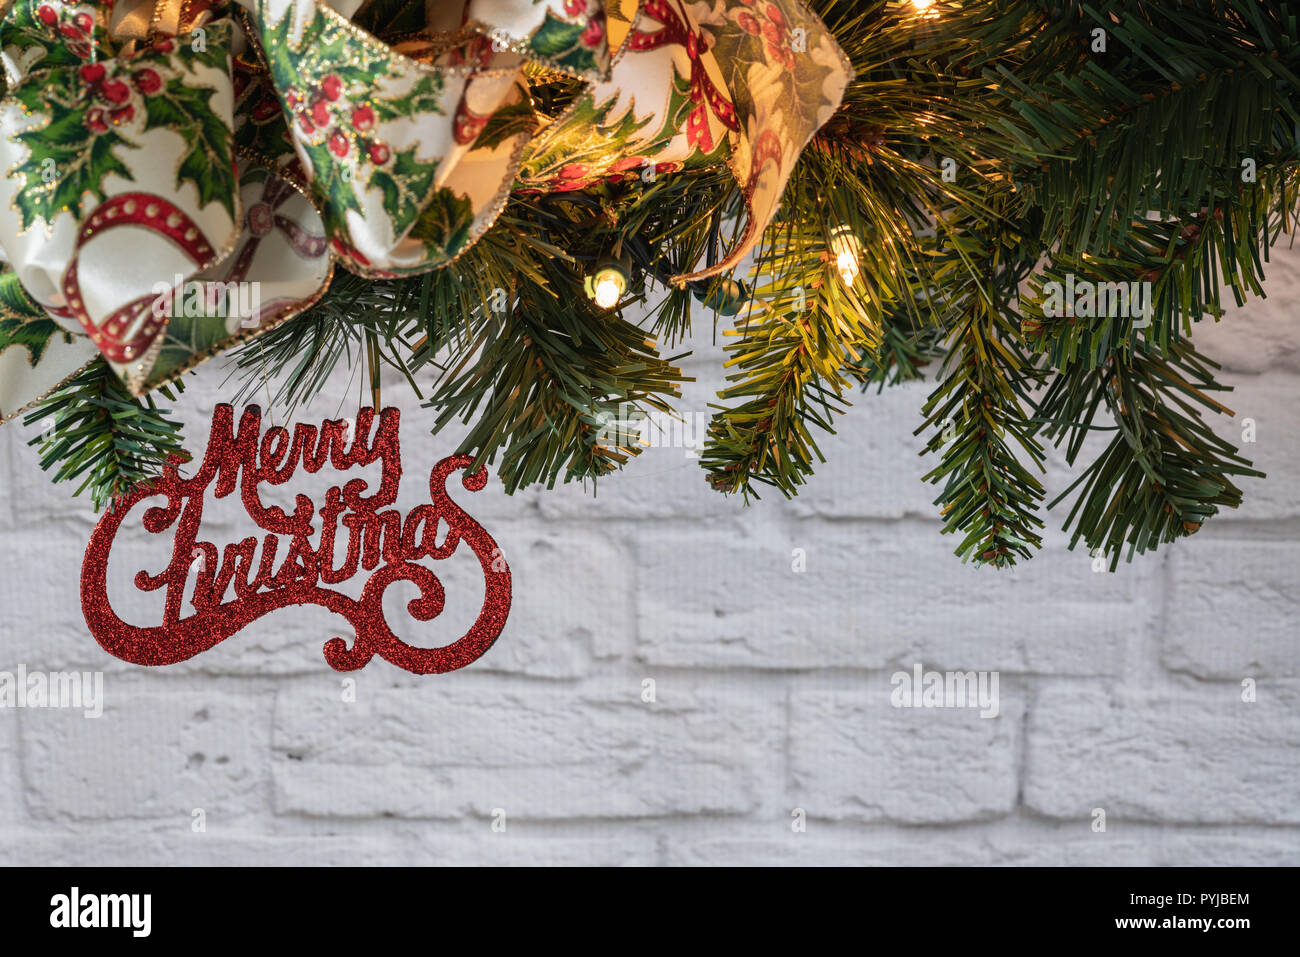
{"x":845,"y":248}
{"x":608,"y":292}
{"x":607,"y":284}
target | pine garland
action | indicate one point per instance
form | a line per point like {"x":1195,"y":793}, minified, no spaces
{"x":982,"y":153}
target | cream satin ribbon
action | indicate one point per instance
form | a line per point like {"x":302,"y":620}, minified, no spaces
{"x":762,"y":76}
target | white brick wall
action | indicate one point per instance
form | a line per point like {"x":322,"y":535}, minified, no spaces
{"x":1120,"y":692}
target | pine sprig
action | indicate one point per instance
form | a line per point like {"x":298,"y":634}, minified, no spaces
{"x":94,"y":430}
{"x":1165,"y":472}
{"x":977,"y":413}
{"x":356,"y":317}
{"x":795,"y":356}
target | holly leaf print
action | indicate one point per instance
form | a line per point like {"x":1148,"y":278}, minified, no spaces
{"x":187,"y":337}
{"x":593,"y":139}
{"x":14,"y":301}
{"x":213,"y":51}
{"x":66,"y":160}
{"x":34,"y":335}
{"x":183,"y":108}
{"x":23,"y":323}
{"x":335,"y":182}
{"x":424,"y":96}
{"x":511,"y":120}
{"x":562,"y":43}
{"x":320,"y":79}
{"x":444,"y":226}
{"x":405,"y":184}
{"x":32,"y":35}
{"x":325,"y":49}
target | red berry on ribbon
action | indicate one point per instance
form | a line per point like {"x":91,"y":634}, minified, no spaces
{"x":594,"y":33}
{"x":147,"y":81}
{"x":363,"y":119}
{"x":115,"y":91}
{"x":332,"y":87}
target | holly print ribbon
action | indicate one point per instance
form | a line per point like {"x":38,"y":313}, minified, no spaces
{"x":155,"y":147}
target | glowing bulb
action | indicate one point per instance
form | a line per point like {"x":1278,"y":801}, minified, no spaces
{"x":847,"y":264}
{"x":605,"y":287}
{"x":845,"y":247}
{"x":923,"y":4}
{"x":608,"y":292}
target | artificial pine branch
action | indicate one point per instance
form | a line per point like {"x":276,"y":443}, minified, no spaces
{"x":549,"y":387}
{"x":300,"y":355}
{"x":977,"y":411}
{"x":1165,"y":472}
{"x":93,"y":429}
{"x":795,"y":353}
{"x":904,"y":350}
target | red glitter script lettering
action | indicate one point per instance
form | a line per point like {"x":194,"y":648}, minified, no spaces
{"x":380,"y":540}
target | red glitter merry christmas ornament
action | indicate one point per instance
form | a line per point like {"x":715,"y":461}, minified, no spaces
{"x":380,"y":540}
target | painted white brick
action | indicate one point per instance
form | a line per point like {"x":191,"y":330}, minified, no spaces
{"x":536,"y":752}
{"x":854,"y":756}
{"x":876,"y":595}
{"x":1260,"y":335}
{"x":1233,"y":609}
{"x":217,"y":847}
{"x":42,"y":625}
{"x":155,"y":755}
{"x":604,"y":844}
{"x":1280,"y":848}
{"x":12,"y":808}
{"x":836,"y":848}
{"x":1196,"y":757}
{"x":873,"y":464}
{"x":572,"y":601}
{"x":1270,"y":401}
{"x":882,"y":846}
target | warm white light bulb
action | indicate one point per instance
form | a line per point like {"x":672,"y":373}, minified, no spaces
{"x":608,"y":292}
{"x":847,"y":264}
{"x":845,"y":247}
{"x":923,"y":5}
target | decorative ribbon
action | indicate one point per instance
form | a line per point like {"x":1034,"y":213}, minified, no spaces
{"x":263,"y":218}
{"x":237,"y":121}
